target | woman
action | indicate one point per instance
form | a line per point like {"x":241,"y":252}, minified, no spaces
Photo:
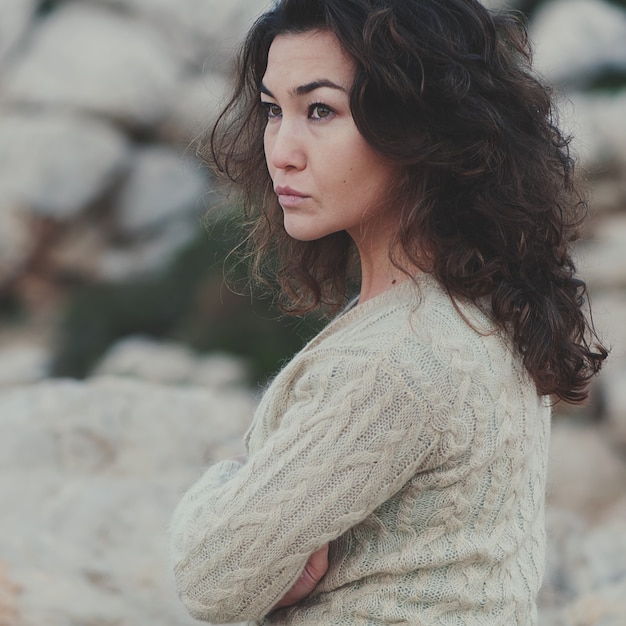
{"x":396,"y":467}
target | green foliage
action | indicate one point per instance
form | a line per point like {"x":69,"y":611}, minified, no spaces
{"x":47,"y":6}
{"x":609,"y":80}
{"x":11,"y":309}
{"x":190,"y":302}
{"x":619,"y":3}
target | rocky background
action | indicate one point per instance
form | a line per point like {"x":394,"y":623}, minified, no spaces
{"x":126,"y":366}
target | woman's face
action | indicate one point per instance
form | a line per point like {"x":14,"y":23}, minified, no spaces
{"x":325,"y":174}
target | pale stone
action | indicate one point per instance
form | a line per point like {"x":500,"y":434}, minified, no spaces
{"x":163,"y":186}
{"x":9,"y":598}
{"x":57,"y":164}
{"x":600,"y":557}
{"x":583,"y":566}
{"x":604,"y":607}
{"x":127,"y":427}
{"x":22,"y":365}
{"x":586,"y":475}
{"x":220,"y":371}
{"x":613,"y":387}
{"x":168,"y":362}
{"x":16,"y":18}
{"x":609,"y":316}
{"x":609,"y":388}
{"x":149,"y":360}
{"x":602,"y":260}
{"x":549,"y":616}
{"x":92,"y":549}
{"x":202,"y":33}
{"x":564,"y":532}
{"x":615,"y":512}
{"x":89,"y":476}
{"x":574,"y":39}
{"x":90,"y":58}
{"x":198,"y":102}
{"x":608,"y":195}
{"x":598,"y":125}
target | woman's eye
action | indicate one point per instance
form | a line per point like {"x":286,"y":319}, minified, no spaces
{"x":271,"y":110}
{"x":319,"y":111}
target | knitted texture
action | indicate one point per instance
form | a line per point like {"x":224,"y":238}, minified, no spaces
{"x":413,"y":441}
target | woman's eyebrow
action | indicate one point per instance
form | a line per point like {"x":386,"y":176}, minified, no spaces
{"x":308,"y":88}
{"x":316,"y":84}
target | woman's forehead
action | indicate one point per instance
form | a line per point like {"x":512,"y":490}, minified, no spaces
{"x":303,"y":58}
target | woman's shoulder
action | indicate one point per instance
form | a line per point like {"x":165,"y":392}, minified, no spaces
{"x":413,"y":329}
{"x":414,"y":313}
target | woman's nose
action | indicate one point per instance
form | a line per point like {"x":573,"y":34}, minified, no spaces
{"x":285,"y":147}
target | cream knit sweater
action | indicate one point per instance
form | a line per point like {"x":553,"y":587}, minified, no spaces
{"x":414,"y":444}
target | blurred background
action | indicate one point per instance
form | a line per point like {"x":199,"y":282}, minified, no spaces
{"x":127,"y":362}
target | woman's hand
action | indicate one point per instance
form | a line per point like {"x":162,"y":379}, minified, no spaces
{"x":313,"y":572}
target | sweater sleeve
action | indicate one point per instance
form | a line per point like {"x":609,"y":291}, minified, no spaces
{"x":355,"y":431}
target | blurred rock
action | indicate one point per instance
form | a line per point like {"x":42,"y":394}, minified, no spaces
{"x":586,"y":475}
{"x":613,"y":387}
{"x":617,"y":511}
{"x":220,"y":371}
{"x":575,"y":39}
{"x":89,"y":476}
{"x":201,"y":33}
{"x":609,"y":314}
{"x":23,"y":365}
{"x":170,"y":363}
{"x":602,"y":260}
{"x":15,"y":22}
{"x":197,"y":103}
{"x":147,"y":255}
{"x":599,"y":558}
{"x":598,"y":124}
{"x":90,"y":58}
{"x":565,"y":530}
{"x":9,"y":593}
{"x":585,"y":571}
{"x":121,"y":426}
{"x":604,"y":607}
{"x":56,"y":164}
{"x":149,"y":360}
{"x":162,"y":187}
{"x":608,"y":194}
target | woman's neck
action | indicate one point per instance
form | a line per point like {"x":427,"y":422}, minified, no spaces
{"x":378,"y":273}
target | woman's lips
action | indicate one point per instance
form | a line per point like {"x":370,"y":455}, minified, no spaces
{"x":288,"y":197}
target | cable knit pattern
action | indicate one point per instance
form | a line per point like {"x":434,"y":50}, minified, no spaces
{"x":411,"y":440}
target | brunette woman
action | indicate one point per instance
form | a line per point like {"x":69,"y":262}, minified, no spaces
{"x":396,"y":466}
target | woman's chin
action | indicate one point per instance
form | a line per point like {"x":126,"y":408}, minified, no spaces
{"x":304,"y":234}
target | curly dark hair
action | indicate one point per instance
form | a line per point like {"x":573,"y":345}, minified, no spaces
{"x":486,"y":195}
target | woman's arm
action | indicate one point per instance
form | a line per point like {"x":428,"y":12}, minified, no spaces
{"x":355,"y":434}
{"x":314,"y":570}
